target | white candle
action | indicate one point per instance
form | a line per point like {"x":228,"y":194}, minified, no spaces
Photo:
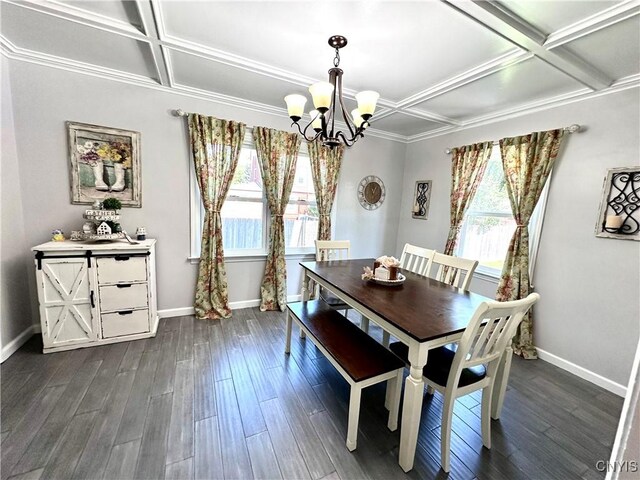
{"x":613,"y":221}
{"x":416,"y":208}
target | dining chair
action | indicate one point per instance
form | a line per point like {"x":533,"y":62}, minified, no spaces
{"x":333,"y":250}
{"x":416,"y":259}
{"x":452,"y":269}
{"x":474,"y":365}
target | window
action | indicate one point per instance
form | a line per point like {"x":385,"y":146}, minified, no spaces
{"x":245,"y":212}
{"x":489,"y":225}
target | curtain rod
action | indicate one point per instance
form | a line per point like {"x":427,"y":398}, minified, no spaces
{"x":575,"y":128}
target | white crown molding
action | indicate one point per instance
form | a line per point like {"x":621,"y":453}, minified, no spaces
{"x":632,"y":81}
{"x":82,"y":17}
{"x":589,"y":25}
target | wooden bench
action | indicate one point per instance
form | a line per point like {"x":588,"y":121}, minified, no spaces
{"x":359,"y":358}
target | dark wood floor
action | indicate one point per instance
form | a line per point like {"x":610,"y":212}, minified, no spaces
{"x":219,"y":399}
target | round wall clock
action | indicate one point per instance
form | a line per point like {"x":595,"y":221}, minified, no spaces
{"x":371,"y":192}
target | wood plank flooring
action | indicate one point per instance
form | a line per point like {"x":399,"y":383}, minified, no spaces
{"x":219,"y":399}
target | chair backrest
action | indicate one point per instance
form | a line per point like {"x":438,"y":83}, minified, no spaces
{"x":332,"y":250}
{"x":416,"y":259}
{"x":451,"y":270}
{"x":484,"y":344}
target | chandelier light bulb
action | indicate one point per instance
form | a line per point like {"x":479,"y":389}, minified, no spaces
{"x":367,"y":103}
{"x":316,"y":120}
{"x":321,"y":93}
{"x":357,"y":118}
{"x":295,"y":106}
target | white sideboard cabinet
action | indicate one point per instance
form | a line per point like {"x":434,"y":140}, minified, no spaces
{"x":95,"y":293}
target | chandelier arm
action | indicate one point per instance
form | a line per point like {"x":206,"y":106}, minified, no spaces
{"x":347,"y":118}
{"x":347,"y":141}
{"x":304,"y":132}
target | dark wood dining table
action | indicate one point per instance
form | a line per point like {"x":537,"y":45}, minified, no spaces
{"x":422,"y":312}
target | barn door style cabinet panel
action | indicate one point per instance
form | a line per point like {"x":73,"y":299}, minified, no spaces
{"x":92,"y":294}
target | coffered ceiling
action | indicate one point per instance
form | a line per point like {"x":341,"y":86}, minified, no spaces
{"x":438,"y":65}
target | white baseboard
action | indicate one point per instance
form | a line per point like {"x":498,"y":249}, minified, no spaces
{"x":10,"y":348}
{"x":582,"y":372}
{"x":179,"y":312}
{"x":175,"y":312}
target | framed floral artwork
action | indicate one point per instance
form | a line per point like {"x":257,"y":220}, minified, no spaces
{"x":105,"y":162}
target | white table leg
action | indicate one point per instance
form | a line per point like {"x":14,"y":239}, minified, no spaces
{"x":412,"y":407}
{"x":500,"y":385}
{"x":354,"y":415}
{"x":305,"y":294}
{"x":287,"y":346}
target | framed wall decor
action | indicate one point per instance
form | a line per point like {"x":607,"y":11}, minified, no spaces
{"x":104,"y":162}
{"x":619,"y":214}
{"x":421,"y":199}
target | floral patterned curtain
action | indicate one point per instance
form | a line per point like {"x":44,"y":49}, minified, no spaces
{"x":467,"y":169}
{"x":325,"y":169}
{"x":277,"y":154}
{"x":215,"y":146}
{"x":527,"y":162}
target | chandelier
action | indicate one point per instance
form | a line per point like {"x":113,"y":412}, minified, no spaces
{"x":327,"y":96}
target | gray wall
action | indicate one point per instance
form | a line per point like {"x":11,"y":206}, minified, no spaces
{"x":589,"y":313}
{"x":44,"y":98}
{"x":15,"y":313}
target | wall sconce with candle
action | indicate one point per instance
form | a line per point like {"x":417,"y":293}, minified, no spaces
{"x":619,"y":215}
{"x":421,"y":199}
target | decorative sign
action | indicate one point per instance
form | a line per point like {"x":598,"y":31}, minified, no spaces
{"x":619,"y":215}
{"x":421,"y":199}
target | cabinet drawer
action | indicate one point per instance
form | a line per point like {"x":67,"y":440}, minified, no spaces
{"x":126,"y":322}
{"x":122,"y":269}
{"x":124,"y":296}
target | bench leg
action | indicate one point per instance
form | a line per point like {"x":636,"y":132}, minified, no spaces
{"x":287,"y":346}
{"x":354,"y":415}
{"x":394,"y":388}
{"x":385,"y":338}
{"x":364,"y":323}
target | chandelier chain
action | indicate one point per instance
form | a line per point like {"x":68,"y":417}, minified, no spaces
{"x":336,"y":60}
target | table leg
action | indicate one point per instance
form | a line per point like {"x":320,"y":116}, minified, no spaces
{"x":500,"y":385}
{"x":287,"y":345}
{"x":305,"y":295}
{"x":412,"y":407}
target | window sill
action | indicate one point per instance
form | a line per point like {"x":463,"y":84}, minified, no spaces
{"x":310,"y":256}
{"x":487,"y":276}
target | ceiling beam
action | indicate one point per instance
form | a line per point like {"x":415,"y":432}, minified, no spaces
{"x":502,"y":21}
{"x":149,"y":23}
{"x":586,"y":26}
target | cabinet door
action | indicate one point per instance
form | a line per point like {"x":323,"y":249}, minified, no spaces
{"x":67,"y":308}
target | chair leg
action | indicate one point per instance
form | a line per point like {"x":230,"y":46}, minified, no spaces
{"x":394,"y":388}
{"x":385,"y":338}
{"x":445,"y":431}
{"x":287,"y":346}
{"x":354,"y":415}
{"x":487,"y":393}
{"x":500,"y":384}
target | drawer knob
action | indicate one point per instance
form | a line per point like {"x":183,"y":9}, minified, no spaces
{"x":123,"y":285}
{"x":125,"y":312}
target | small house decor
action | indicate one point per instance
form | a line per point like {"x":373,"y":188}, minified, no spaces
{"x":421,"y":199}
{"x":619,"y":215}
{"x":105,"y":162}
{"x":103,"y":229}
